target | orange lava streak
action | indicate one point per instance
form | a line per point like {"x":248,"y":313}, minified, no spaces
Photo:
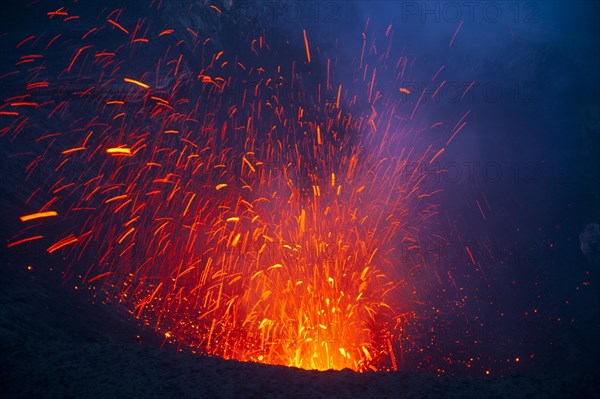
{"x":63,"y":243}
{"x":119,"y":151}
{"x":136,"y":82}
{"x":24,"y":240}
{"x":77,"y":56}
{"x":306,"y":45}
{"x":38,"y":216}
{"x":98,"y":277}
{"x":114,"y":23}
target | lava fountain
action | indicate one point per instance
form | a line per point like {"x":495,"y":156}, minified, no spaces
{"x":240,"y":203}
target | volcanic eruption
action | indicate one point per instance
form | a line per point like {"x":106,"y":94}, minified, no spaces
{"x":244,"y":203}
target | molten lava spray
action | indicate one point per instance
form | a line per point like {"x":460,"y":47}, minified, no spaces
{"x":245,"y":204}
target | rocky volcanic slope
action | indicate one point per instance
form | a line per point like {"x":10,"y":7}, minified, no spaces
{"x":54,"y":343}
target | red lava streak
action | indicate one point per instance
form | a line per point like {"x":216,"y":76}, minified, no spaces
{"x":245,"y":206}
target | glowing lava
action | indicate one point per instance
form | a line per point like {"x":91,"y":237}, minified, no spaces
{"x":244,"y":208}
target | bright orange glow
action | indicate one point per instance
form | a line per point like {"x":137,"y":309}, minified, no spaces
{"x":119,"y":151}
